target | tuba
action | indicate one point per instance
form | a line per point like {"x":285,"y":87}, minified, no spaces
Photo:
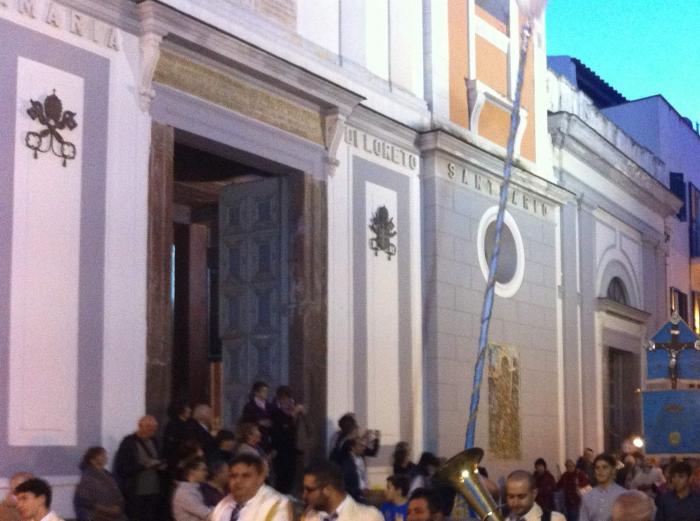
{"x":461,"y":472}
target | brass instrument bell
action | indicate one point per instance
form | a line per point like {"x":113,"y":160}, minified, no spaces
{"x":462,"y":473}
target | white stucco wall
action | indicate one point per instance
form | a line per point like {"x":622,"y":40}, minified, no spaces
{"x":125,"y":233}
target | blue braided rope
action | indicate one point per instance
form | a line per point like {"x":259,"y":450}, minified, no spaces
{"x":493,"y":262}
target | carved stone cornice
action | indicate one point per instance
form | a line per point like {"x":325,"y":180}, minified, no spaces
{"x":198,"y":38}
{"x":572,"y":134}
{"x":617,"y":309}
{"x":379,"y":125}
{"x":564,"y":99}
{"x":115,"y":12}
{"x":586,"y":204}
{"x":440,"y":141}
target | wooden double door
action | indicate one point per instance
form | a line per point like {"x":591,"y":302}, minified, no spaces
{"x":253,"y":288}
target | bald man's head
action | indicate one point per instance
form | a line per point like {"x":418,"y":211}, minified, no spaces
{"x":148,"y":426}
{"x":202,"y":413}
{"x":633,"y":506}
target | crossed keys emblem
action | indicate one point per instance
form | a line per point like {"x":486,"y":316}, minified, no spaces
{"x":51,"y":115}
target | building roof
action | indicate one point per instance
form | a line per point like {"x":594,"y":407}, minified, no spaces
{"x":601,"y":93}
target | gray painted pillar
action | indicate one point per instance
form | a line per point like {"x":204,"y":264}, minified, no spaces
{"x":570,"y":332}
{"x":589,"y":354}
{"x":654,"y":282}
{"x":429,"y":212}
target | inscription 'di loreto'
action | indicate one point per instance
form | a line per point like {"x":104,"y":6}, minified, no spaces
{"x":380,"y":148}
{"x":486,"y":185}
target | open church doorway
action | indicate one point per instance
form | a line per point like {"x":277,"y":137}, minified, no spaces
{"x":237,"y":293}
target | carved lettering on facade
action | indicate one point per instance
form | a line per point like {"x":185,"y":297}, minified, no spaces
{"x":78,"y":24}
{"x":54,"y":16}
{"x":380,"y":148}
{"x":225,"y":90}
{"x":283,"y":12}
{"x":27,"y":7}
{"x":487,"y":185}
{"x":71,"y":20}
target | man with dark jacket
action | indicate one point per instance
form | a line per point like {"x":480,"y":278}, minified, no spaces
{"x":203,"y":428}
{"x":137,"y":466}
{"x":679,"y":503}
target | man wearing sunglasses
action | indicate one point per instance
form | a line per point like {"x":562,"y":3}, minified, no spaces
{"x":326,"y":499}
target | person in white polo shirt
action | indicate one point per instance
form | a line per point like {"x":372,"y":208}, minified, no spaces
{"x":249,"y":499}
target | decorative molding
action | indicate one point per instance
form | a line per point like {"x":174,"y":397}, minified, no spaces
{"x":480,"y":160}
{"x":478,"y":94}
{"x":149,"y":44}
{"x":630,"y":313}
{"x":333,"y":123}
{"x":612,"y":163}
{"x":585,"y":203}
{"x":564,"y":98}
{"x":152,"y":33}
{"x":232,"y":92}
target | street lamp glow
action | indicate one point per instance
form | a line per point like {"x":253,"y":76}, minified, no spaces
{"x":531,"y":8}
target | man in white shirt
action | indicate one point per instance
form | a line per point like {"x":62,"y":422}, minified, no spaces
{"x":520,"y":498}
{"x":34,"y":501}
{"x":249,"y":499}
{"x":326,"y":500}
{"x":597,"y":504}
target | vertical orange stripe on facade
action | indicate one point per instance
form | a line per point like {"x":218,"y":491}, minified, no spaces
{"x":491,"y":66}
{"x":457,"y":33}
{"x":494,"y":124}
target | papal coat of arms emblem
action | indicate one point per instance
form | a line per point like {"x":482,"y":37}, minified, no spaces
{"x":52,"y":116}
{"x":384,"y":229}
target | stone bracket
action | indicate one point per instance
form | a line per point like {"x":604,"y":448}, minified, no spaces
{"x":333,"y":122}
{"x":150,"y":52}
{"x":152,"y":34}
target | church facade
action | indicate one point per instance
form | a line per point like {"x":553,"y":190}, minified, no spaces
{"x":201,"y":194}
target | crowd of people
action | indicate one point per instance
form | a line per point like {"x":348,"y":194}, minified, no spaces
{"x":200,"y":472}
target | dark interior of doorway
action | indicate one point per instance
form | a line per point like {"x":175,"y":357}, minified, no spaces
{"x":186,"y":173}
{"x":199,"y":177}
{"x":201,"y":172}
{"x":623,"y":416}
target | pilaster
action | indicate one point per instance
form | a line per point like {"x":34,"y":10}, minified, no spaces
{"x":591,"y":363}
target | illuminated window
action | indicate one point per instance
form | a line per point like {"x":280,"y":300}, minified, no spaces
{"x":679,"y":303}
{"x":696,"y":312}
{"x":694,"y":219}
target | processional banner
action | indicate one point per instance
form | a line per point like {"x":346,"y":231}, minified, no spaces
{"x":672,"y":421}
